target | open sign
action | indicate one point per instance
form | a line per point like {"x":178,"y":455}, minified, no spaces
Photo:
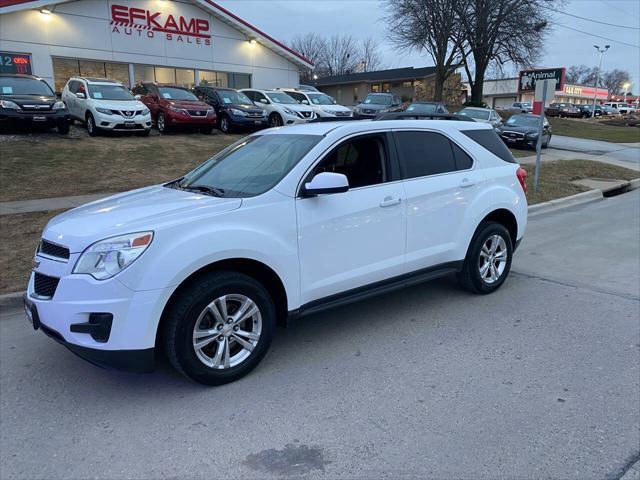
{"x":15,"y":63}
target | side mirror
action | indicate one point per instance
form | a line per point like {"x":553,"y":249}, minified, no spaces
{"x":138,"y":96}
{"x":326,"y":183}
{"x":80,"y":95}
{"x":264,"y":101}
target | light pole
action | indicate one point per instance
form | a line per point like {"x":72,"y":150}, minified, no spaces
{"x":595,"y":93}
{"x":626,"y":88}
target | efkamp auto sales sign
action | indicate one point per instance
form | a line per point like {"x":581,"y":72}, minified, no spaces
{"x":140,"y":22}
{"x":528,"y":78}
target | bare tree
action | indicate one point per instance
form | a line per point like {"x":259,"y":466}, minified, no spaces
{"x":370,"y":57}
{"x":581,"y":74}
{"x":499,"y":31}
{"x":313,"y":47}
{"x":431,"y":26}
{"x":614,"y":81}
{"x":341,"y":55}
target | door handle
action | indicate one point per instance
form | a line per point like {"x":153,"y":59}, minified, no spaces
{"x":465,"y":183}
{"x":390,"y":202}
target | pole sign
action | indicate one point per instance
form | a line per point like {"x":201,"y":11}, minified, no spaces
{"x":528,"y":78}
{"x":15,"y":63}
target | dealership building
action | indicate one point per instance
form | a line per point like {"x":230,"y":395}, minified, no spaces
{"x":187,"y":42}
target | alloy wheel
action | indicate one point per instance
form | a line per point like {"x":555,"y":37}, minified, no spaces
{"x":493,"y":259}
{"x":227,"y":331}
{"x":224,"y":124}
{"x":160,"y":122}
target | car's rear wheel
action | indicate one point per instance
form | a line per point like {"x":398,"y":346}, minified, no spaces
{"x":92,"y":130}
{"x":275,"y":120}
{"x":488,"y":259}
{"x":220,"y":328}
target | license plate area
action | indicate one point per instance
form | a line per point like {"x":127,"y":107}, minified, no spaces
{"x":31,"y":311}
{"x":39,"y":118}
{"x":129,"y":124}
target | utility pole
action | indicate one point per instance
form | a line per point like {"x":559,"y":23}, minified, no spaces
{"x":595,"y":93}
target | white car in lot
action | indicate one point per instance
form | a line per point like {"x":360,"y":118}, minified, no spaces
{"x":281,"y":108}
{"x":103,"y":104}
{"x":321,"y":103}
{"x":285,"y":222}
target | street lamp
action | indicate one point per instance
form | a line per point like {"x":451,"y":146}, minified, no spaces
{"x":626,"y":89}
{"x":595,"y":93}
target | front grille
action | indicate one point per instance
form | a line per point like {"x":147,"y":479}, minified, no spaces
{"x":129,"y":126}
{"x":513,"y":134}
{"x":44,"y":285}
{"x":53,"y":249}
{"x":37,"y":107}
{"x":255,"y":114}
{"x":366,"y":110}
{"x":197,"y":113}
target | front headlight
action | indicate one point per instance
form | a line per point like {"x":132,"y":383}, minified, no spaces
{"x":9,"y":104}
{"x":290,"y":112}
{"x":110,"y":256}
{"x":177,"y":110}
{"x":145,"y":111}
{"x":238,"y":113}
{"x":105,"y":111}
{"x":356,"y":110}
{"x":532,"y":134}
{"x":264,"y":113}
{"x":59,"y":105}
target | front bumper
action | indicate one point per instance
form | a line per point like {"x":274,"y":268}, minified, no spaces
{"x":249,"y":122}
{"x":173,"y":118}
{"x":118,"y":123}
{"x":519,"y":141}
{"x":21,"y":117}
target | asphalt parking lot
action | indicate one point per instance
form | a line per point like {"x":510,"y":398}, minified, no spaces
{"x":539,"y":380}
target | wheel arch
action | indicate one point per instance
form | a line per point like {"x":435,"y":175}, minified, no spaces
{"x":506,"y":218}
{"x":252,"y":268}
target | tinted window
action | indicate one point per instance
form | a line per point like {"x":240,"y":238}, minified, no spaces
{"x":234,"y":97}
{"x":24,"y":86}
{"x":175,"y":93}
{"x":73,"y":86}
{"x":490,"y":140}
{"x":424,"y":153}
{"x":251,"y":166}
{"x":463,"y":161}
{"x":361,"y":159}
{"x":298,"y":96}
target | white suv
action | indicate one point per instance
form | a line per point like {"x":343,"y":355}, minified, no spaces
{"x":103,"y":104}
{"x":321,"y":103}
{"x":285,"y":222}
{"x":281,"y":108}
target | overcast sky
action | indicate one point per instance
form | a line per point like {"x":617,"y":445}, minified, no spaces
{"x":282,"y":19}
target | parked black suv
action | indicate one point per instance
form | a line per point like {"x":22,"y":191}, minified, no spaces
{"x":233,"y":108}
{"x":29,"y":100}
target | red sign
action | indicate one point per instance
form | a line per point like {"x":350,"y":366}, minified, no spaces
{"x":15,"y":63}
{"x":178,"y":28}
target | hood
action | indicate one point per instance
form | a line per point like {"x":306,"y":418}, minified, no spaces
{"x":22,"y":100}
{"x":243,"y":107}
{"x":372,"y":106}
{"x":148,"y":208}
{"x":334,"y":108}
{"x":189,"y":104}
{"x":514,"y":128}
{"x":120,"y":104}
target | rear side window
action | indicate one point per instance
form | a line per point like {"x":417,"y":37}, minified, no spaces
{"x":424,"y":153}
{"x":463,"y":161}
{"x":490,"y":140}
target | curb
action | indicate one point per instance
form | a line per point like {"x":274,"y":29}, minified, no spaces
{"x":11,"y":301}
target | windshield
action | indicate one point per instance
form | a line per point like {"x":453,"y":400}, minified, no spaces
{"x":109,"y":92}
{"x":522,"y":121}
{"x":281,"y":97}
{"x":422,"y":108}
{"x":24,"y":86}
{"x":377,"y":100}
{"x":320,"y":99}
{"x":176,"y":93}
{"x":526,"y":104}
{"x":251,"y":166}
{"x":477,"y":114}
{"x":231,"y":96}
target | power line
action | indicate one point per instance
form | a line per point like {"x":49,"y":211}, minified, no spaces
{"x":598,"y":36}
{"x":592,"y":20}
{"x":608,"y":5}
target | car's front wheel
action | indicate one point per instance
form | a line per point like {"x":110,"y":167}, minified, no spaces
{"x":219,"y":328}
{"x":225,"y":124}
{"x":161,"y":123}
{"x":488,"y":259}
{"x":92,"y":130}
{"x":275,"y":120}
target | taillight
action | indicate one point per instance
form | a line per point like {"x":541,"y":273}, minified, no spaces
{"x":521,"y":173}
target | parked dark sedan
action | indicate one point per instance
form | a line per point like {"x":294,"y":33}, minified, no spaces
{"x":30,"y":101}
{"x":562,"y":110}
{"x":587,"y":111}
{"x":376,"y":103}
{"x":522,"y":130}
{"x":233,"y":108}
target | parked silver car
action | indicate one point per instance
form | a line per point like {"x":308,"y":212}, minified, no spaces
{"x":482,"y":115}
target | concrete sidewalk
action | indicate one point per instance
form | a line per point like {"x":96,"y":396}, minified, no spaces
{"x":48,"y":204}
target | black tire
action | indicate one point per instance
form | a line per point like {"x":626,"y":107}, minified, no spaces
{"x":224,"y":124}
{"x":144,"y":133}
{"x":181,"y":320}
{"x":206,"y":130}
{"x":275,"y":120}
{"x":470,"y":278}
{"x":547,"y":142}
{"x":63,"y":128}
{"x":92,"y":130}
{"x":161,"y":123}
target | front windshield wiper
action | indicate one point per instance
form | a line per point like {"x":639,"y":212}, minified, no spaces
{"x":209,"y":190}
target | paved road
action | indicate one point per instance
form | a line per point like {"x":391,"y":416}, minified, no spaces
{"x":540,"y":379}
{"x":625,"y":155}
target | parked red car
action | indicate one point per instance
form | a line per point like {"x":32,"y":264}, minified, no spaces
{"x":173,"y":105}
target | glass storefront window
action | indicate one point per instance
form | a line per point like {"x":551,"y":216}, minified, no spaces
{"x":216,"y":79}
{"x":165,"y":75}
{"x":118,"y":72}
{"x":185,"y":78}
{"x":143,"y":73}
{"x":239,"y":80}
{"x":64,"y":68}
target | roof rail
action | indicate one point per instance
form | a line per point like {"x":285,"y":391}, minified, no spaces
{"x":422,"y":116}
{"x":332,"y":119}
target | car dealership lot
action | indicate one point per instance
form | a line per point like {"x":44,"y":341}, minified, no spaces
{"x":539,"y":379}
